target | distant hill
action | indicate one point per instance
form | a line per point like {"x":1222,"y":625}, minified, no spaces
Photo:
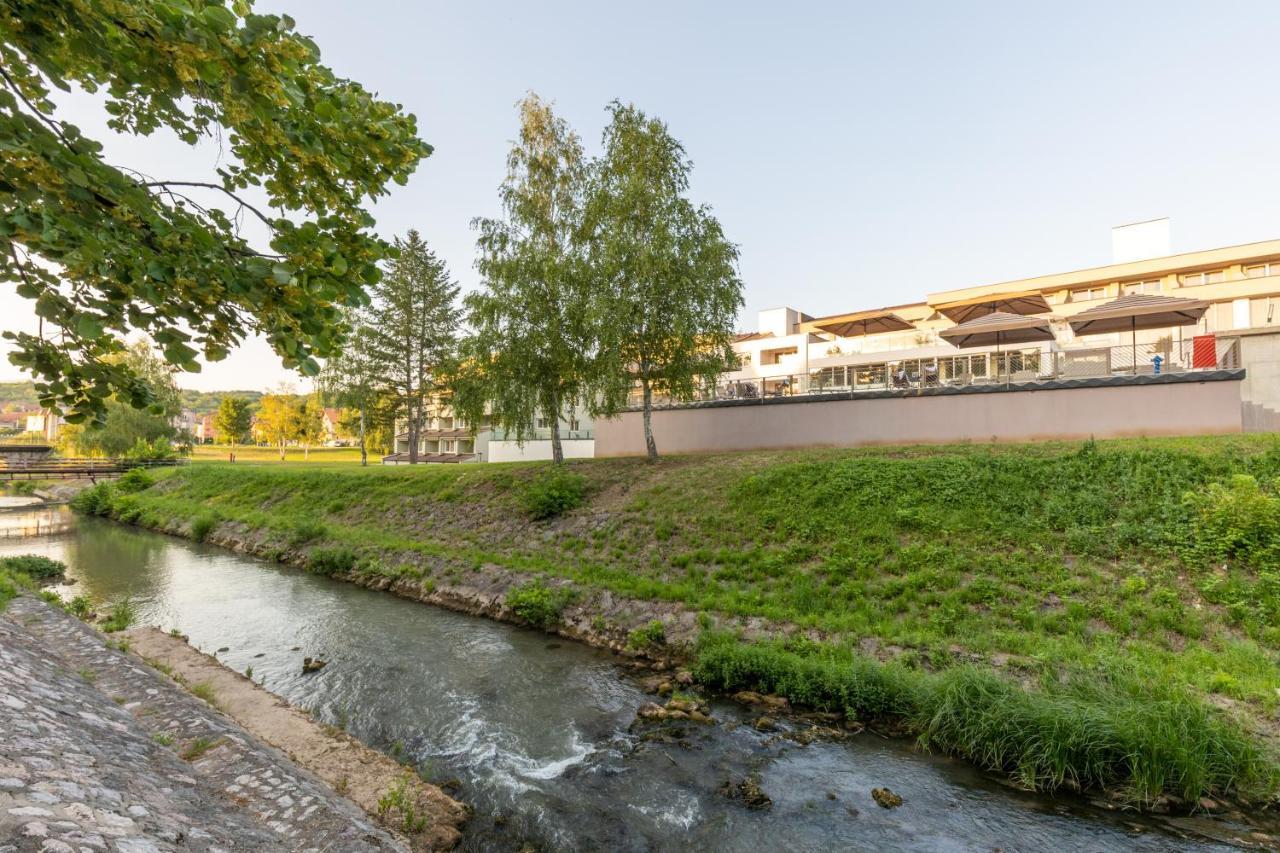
{"x":15,"y":395}
{"x":206,"y":402}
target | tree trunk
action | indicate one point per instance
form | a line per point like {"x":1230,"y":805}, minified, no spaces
{"x":650,"y":446}
{"x":413,"y":433}
{"x":282,"y":450}
{"x":557,"y":450}
{"x":364,"y":455}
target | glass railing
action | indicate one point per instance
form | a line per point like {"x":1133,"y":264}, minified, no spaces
{"x":1014,"y":366}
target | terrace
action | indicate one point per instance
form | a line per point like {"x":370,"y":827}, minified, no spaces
{"x":1021,"y":368}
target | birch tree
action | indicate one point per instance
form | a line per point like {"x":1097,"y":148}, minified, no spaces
{"x":411,"y":330}
{"x":533,"y":347}
{"x":669,"y":277}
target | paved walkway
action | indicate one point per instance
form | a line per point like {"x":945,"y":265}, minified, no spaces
{"x":90,"y":746}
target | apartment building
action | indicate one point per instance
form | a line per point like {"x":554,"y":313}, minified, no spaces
{"x":902,"y":346}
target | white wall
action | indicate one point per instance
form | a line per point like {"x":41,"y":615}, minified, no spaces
{"x":509,"y":451}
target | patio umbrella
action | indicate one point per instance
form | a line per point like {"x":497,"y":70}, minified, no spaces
{"x":998,"y":328}
{"x":1138,"y":311}
{"x":964,"y":310}
{"x":859,"y":323}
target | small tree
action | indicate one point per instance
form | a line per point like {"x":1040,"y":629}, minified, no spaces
{"x":310,"y":415}
{"x":409,"y":333}
{"x":533,"y":348}
{"x":123,"y":427}
{"x":350,"y":380}
{"x":233,"y":419}
{"x":669,"y":277}
{"x":278,"y":422}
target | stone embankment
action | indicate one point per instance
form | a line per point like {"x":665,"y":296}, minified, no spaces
{"x":98,"y":751}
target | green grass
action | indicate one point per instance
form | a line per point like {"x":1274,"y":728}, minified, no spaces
{"x":269,"y":455}
{"x":198,"y":747}
{"x":1154,"y":558}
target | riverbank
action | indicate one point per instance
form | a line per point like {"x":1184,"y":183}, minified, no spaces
{"x":98,"y":749}
{"x":1110,"y":601}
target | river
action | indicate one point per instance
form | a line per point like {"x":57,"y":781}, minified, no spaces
{"x":538,"y":732}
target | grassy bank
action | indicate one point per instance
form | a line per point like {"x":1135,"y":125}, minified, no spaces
{"x":1083,"y":615}
{"x":292,"y":455}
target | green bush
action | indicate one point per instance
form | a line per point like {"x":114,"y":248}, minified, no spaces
{"x":80,"y":606}
{"x":97,"y":500}
{"x":651,"y":636}
{"x":552,"y":493}
{"x":331,"y":561}
{"x":135,"y":480}
{"x":1237,"y":520}
{"x":202,"y":526}
{"x":538,"y":604}
{"x":34,"y":566}
{"x":306,"y":531}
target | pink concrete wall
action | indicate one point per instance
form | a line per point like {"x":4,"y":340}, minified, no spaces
{"x":1186,"y":408}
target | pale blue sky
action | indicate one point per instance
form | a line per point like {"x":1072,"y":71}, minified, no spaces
{"x":861,"y":154}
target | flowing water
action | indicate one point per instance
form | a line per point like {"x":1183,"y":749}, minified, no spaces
{"x":538,"y":733}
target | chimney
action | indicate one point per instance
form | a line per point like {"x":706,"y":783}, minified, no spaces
{"x":1140,"y":241}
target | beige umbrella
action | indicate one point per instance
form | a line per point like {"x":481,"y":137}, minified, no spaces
{"x":998,"y":328}
{"x":859,"y":323}
{"x":964,"y":310}
{"x":1138,"y":311}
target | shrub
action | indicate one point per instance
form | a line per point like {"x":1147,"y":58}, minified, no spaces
{"x":202,"y":526}
{"x":134,"y":480}
{"x":552,"y":493}
{"x":331,"y":561}
{"x":306,"y":531}
{"x":1236,"y":520}
{"x":651,"y":636}
{"x":34,"y":566}
{"x":122,"y":615}
{"x":98,"y":500}
{"x":538,"y":604}
{"x":80,"y":606}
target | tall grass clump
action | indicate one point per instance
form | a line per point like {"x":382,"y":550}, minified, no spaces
{"x":202,"y":526}
{"x":34,"y":566}
{"x":553,"y":492}
{"x":331,"y":561}
{"x":1100,"y":732}
{"x":539,"y":604}
{"x":122,"y":615}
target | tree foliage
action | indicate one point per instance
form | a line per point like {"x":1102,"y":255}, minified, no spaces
{"x":124,"y":429}
{"x":104,"y":250}
{"x":409,"y":332}
{"x":234,"y":419}
{"x":667,"y":274}
{"x":533,"y":346}
{"x":352,"y":380}
{"x":278,"y":423}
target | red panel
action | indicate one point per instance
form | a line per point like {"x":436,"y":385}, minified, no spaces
{"x":1204,"y":351}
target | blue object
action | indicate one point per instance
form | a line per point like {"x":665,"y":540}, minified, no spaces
{"x":1156,"y":362}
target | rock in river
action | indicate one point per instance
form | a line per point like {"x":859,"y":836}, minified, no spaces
{"x":885,"y":798}
{"x":313,"y":664}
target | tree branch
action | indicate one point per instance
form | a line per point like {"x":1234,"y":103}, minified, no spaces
{"x":211,"y":186}
{"x":53,"y":125}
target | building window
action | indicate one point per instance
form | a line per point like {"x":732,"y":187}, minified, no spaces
{"x":1261,"y":270}
{"x":544,"y":423}
{"x":1192,"y":279}
{"x":1083,"y":294}
{"x":1154,"y":285}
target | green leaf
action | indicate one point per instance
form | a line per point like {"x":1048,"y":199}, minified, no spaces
{"x":220,"y":17}
{"x":88,"y":327}
{"x":282,"y":273}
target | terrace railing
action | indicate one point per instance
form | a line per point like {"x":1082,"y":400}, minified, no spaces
{"x":1015,"y":366}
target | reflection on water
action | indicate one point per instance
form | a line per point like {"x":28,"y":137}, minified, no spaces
{"x":539,"y":736}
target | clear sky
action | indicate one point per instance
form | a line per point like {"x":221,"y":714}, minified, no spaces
{"x":861,"y":154}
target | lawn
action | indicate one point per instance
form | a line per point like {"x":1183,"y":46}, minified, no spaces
{"x":292,"y":455}
{"x":1145,"y":570}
